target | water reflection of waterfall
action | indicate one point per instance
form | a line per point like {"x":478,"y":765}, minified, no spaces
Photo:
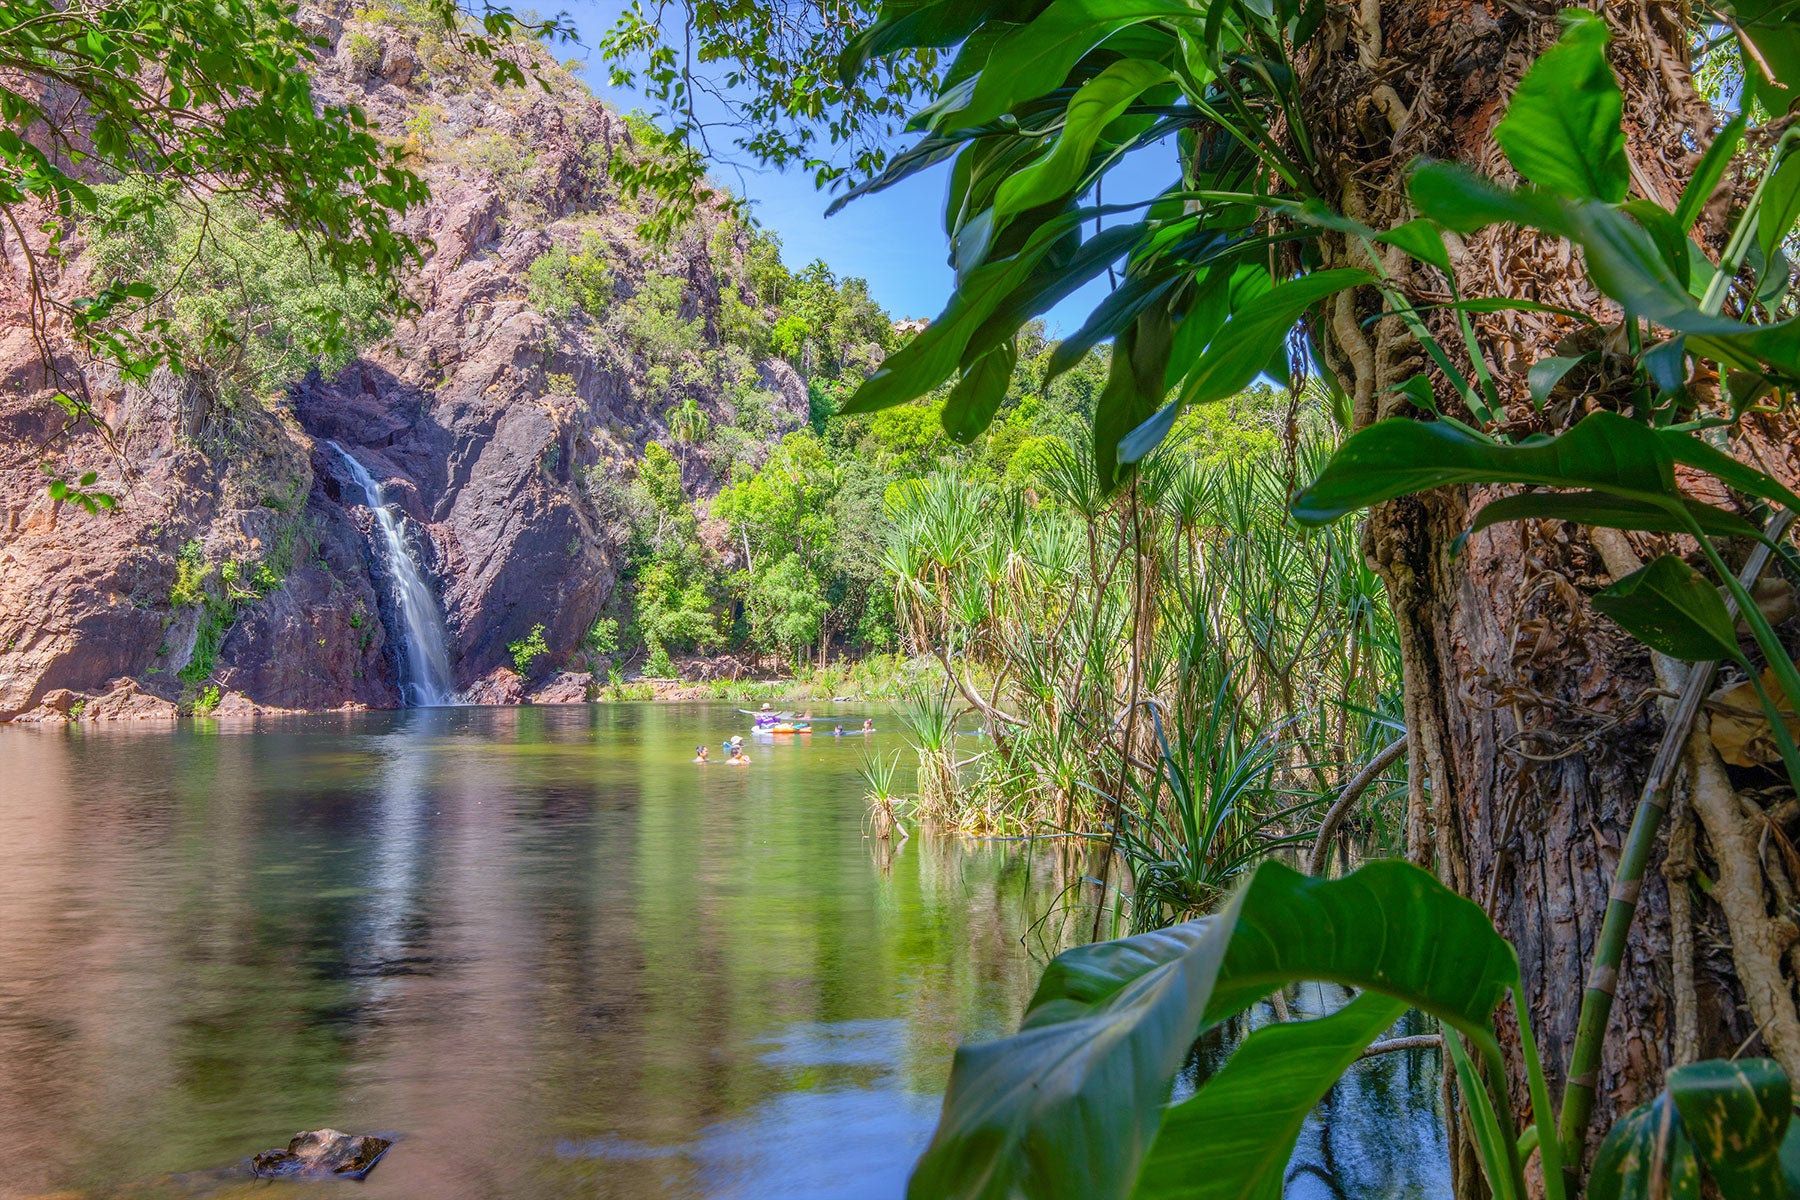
{"x":425,"y":679}
{"x":398,"y":851}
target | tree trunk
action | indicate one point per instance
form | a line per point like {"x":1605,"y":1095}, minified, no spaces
{"x":1532,"y":718}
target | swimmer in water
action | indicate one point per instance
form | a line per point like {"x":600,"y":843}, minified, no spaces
{"x":868,"y":725}
{"x":738,"y":757}
{"x":700,"y":754}
{"x":837,"y":731}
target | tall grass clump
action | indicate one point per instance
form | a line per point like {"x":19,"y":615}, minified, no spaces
{"x":1176,"y":673}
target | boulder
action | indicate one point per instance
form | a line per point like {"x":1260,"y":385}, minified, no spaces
{"x":322,"y":1154}
{"x":564,"y":687}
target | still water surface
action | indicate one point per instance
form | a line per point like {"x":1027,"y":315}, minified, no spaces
{"x":538,"y":946}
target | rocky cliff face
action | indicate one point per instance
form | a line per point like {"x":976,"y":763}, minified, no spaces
{"x":239,"y":570}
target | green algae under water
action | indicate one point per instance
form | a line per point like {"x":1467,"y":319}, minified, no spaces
{"x":539,"y":947}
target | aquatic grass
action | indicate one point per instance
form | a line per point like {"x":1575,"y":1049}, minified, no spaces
{"x":885,"y":804}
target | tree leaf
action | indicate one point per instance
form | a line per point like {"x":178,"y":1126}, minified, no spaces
{"x":1671,"y":607}
{"x":1671,"y":242}
{"x":1605,"y":452}
{"x":1135,"y":386}
{"x":1233,"y":1139}
{"x":932,"y":356}
{"x":1690,"y":450}
{"x":1241,"y":348}
{"x":972,"y":403}
{"x":1421,"y":239}
{"x":1068,"y":1106}
{"x":1562,"y":128}
{"x":1036,"y":58}
{"x":1711,"y":169}
{"x":1457,"y":198}
{"x":1048,"y":285}
{"x":1546,"y":373}
{"x":1769,"y":25}
{"x":1096,"y":104}
{"x":1610,"y":512}
{"x":1780,"y":205}
{"x":1736,"y":1114}
{"x":1647,"y":1154}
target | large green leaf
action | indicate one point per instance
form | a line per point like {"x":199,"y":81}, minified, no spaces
{"x":1095,"y":105}
{"x":1713,"y":165}
{"x":937,"y":352}
{"x":1645,"y":1156}
{"x":1780,"y":205}
{"x":1670,"y":607}
{"x":1734,"y":1119}
{"x":1134,"y":387}
{"x":1069,"y":1105}
{"x":1457,"y":198}
{"x":1233,"y":1140}
{"x":1737,"y":1114}
{"x":1609,"y":512}
{"x":1240,"y":350}
{"x":1032,"y":60}
{"x":1690,"y":451}
{"x":1562,"y":130}
{"x":1770,"y":26}
{"x":977,"y":395}
{"x":1605,"y":452}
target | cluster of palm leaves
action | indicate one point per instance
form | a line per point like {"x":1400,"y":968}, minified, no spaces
{"x":1178,"y":672}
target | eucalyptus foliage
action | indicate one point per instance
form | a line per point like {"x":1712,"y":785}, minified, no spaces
{"x":184,"y":103}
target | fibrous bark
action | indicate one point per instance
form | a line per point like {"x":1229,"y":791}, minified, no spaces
{"x":1532,"y":719}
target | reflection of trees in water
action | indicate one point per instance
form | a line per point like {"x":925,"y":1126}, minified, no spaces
{"x":490,"y":930}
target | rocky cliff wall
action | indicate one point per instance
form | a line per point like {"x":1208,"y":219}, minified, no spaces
{"x":239,"y":572}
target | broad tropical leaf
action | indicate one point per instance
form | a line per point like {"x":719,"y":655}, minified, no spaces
{"x":1647,"y":1154}
{"x":1671,"y":607}
{"x":1233,"y":1139}
{"x":1094,"y":106}
{"x":1731,"y":1118}
{"x":1562,"y":129}
{"x":977,"y":395}
{"x":937,"y":352}
{"x":1707,"y":175}
{"x":1068,"y":1107}
{"x":1605,"y":452}
{"x":1737,"y":1115}
{"x":1610,"y":512}
{"x":1037,"y":57}
{"x":1769,"y":26}
{"x":1243,"y":346}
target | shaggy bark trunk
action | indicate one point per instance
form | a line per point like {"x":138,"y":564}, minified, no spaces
{"x":1532,"y":718}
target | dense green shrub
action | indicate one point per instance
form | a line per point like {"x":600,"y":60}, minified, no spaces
{"x":562,"y":282}
{"x":527,"y":650}
{"x":238,"y":294}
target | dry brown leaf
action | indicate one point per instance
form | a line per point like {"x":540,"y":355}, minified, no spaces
{"x":1740,"y":729}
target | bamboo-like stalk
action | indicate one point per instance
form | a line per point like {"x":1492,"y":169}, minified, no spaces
{"x":1621,"y":904}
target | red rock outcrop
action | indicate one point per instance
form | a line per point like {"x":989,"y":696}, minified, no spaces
{"x":486,"y":422}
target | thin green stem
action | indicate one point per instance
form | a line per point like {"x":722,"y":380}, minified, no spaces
{"x":1621,"y":905}
{"x":1549,"y":1147}
{"x":1732,"y":261}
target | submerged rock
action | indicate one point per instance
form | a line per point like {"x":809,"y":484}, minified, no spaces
{"x":322,"y":1154}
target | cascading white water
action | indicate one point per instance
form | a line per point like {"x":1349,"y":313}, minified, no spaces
{"x":426,"y":681}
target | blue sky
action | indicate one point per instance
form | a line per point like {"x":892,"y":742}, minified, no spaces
{"x":893,"y":239}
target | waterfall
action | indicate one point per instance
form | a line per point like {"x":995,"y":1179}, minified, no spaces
{"x":426,"y":679}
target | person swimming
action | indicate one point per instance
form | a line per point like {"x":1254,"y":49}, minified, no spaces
{"x":837,"y":731}
{"x":738,"y":758}
{"x":868,"y":725}
{"x":700,"y":754}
